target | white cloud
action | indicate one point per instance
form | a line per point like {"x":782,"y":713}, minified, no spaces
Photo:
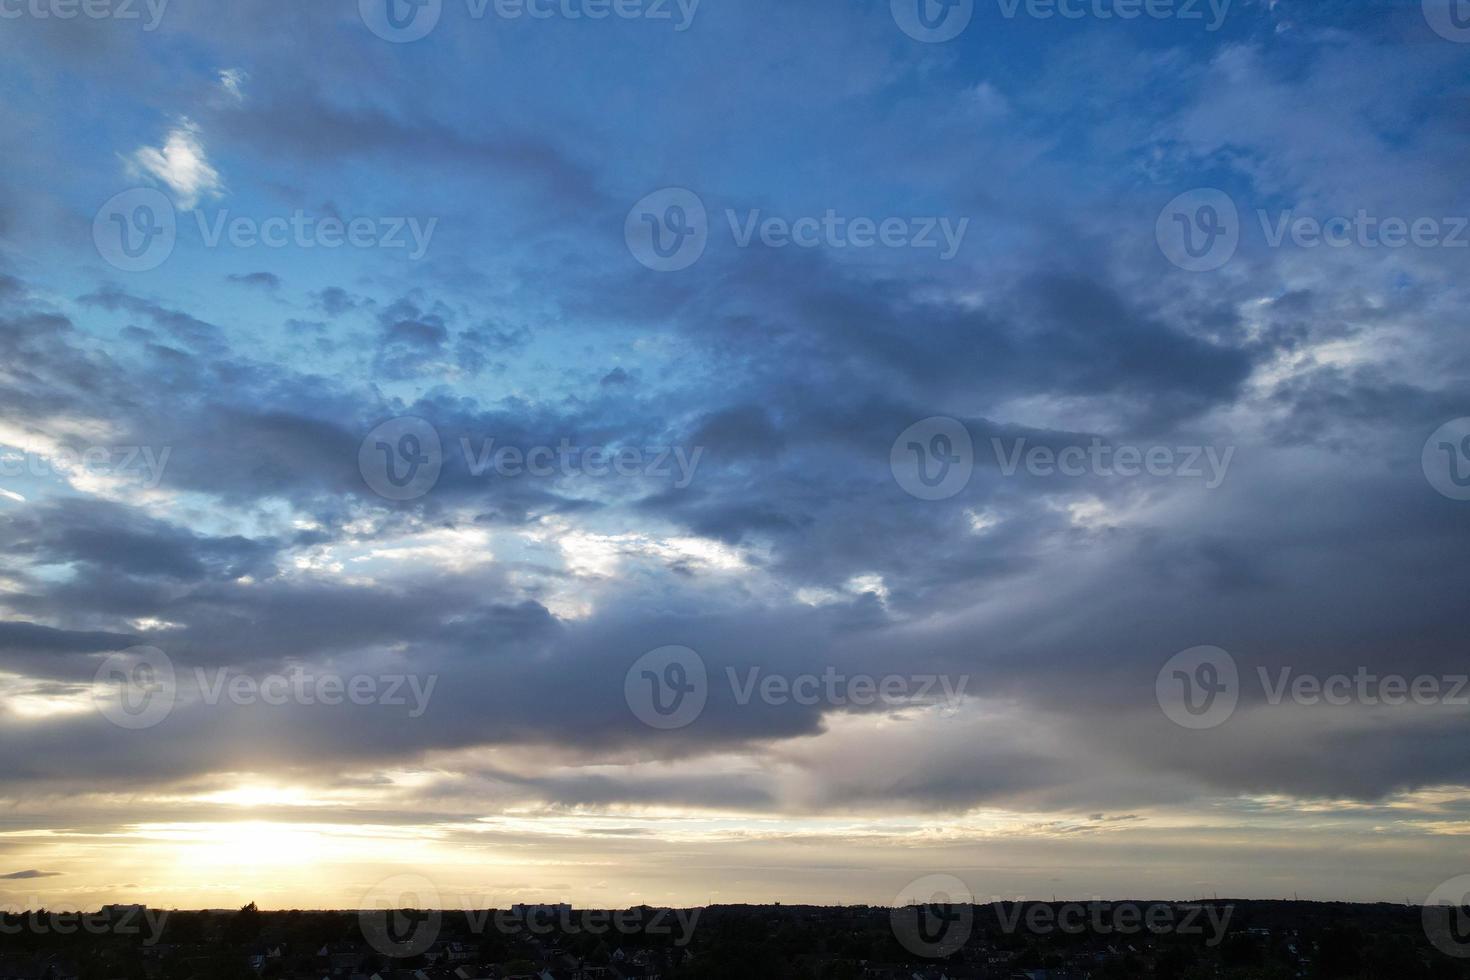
{"x":982,"y":520}
{"x":231,"y":80}
{"x":181,"y":164}
{"x":866,"y":584}
{"x":988,"y":101}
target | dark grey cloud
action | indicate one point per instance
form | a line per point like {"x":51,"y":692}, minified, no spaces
{"x":263,"y":280}
{"x":306,"y":125}
{"x":1325,"y":548}
{"x":117,"y":540}
{"x":188,"y":330}
{"x":335,"y":301}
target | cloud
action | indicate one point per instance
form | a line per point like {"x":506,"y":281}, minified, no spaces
{"x":335,"y":300}
{"x":232,"y":81}
{"x":181,"y":164}
{"x":265,"y":280}
{"x":794,"y":550}
{"x":26,"y":875}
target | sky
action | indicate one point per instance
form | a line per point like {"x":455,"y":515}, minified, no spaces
{"x":665,"y":453}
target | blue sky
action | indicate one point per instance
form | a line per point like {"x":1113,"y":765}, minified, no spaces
{"x":1305,"y":403}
